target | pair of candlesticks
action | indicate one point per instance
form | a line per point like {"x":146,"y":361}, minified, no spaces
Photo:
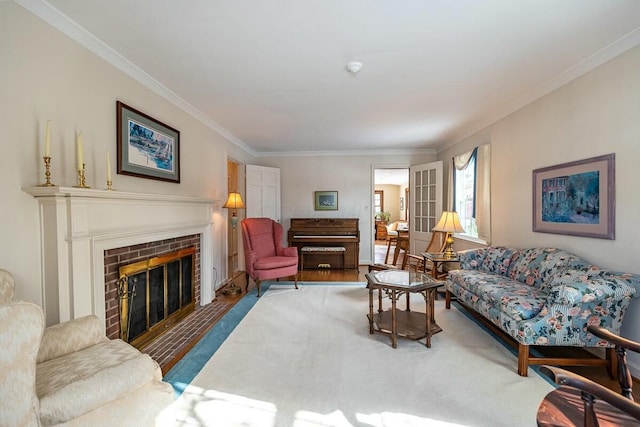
{"x":81,"y":176}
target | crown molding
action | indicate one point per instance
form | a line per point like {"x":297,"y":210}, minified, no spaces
{"x":607,"y":53}
{"x":61,"y":22}
{"x":386,"y":152}
{"x":64,"y":24}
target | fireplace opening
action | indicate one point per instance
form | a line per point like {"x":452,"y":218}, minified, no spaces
{"x":155,"y":294}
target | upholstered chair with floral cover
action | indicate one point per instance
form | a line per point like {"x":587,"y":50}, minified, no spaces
{"x":71,"y":374}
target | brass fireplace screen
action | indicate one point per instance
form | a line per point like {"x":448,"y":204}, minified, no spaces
{"x":155,"y":294}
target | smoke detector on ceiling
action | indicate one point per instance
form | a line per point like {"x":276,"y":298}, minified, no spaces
{"x":354,"y":67}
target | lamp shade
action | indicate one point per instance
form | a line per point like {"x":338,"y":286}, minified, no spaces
{"x":449,"y":222}
{"x":234,"y":201}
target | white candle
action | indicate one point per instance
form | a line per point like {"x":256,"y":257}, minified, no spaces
{"x":108,"y":167}
{"x":80,"y":151}
{"x":47,"y":139}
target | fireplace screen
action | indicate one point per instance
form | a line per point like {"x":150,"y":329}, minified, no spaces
{"x":155,"y":294}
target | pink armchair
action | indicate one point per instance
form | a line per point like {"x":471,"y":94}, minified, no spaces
{"x":264,"y":254}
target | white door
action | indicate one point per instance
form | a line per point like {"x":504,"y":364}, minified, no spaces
{"x":263,"y":192}
{"x":425,"y":208}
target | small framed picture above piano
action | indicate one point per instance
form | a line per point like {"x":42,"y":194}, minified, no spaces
{"x":326,"y":200}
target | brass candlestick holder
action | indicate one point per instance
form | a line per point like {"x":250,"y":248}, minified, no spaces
{"x":109,"y":187}
{"x":81,"y":179}
{"x":47,"y":173}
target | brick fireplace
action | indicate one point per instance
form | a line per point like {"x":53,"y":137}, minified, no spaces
{"x":82,"y":229}
{"x":117,"y":258}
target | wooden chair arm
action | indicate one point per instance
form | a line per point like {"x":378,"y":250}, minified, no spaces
{"x":564,"y":377}
{"x":605,"y":334}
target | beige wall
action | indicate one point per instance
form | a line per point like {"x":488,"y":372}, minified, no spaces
{"x":351,"y":176}
{"x":596,"y":114}
{"x":392,"y":194}
{"x":44,"y":75}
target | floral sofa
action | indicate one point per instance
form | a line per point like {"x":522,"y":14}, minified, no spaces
{"x":71,"y":374}
{"x":542,"y":297}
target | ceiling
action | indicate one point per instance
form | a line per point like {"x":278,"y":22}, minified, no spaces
{"x":270,"y":76}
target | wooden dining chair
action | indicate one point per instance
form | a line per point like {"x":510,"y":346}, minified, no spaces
{"x":437,"y":243}
{"x":581,"y":402}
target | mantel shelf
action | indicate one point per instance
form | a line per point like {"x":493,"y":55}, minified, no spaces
{"x":90,"y":193}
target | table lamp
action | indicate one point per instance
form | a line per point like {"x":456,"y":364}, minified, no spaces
{"x":449,"y":223}
{"x":234,"y":202}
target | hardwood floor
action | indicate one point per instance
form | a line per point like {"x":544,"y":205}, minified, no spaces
{"x":175,"y":346}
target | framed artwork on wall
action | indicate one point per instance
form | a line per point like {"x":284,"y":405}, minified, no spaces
{"x":147,"y":148}
{"x":576,"y":198}
{"x":326,"y":200}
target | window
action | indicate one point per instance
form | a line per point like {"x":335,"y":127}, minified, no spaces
{"x":471,"y":192}
{"x":470,"y":184}
{"x":464,"y":196}
{"x":378,"y":202}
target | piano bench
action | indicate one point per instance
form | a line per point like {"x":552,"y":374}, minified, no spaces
{"x":322,"y":250}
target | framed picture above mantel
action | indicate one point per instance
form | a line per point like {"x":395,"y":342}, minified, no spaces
{"x":147,"y":148}
{"x":576,"y":198}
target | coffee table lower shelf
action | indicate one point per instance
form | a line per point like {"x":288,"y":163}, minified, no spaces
{"x":409,"y":324}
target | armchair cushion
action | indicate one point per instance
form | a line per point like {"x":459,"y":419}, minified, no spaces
{"x":69,"y":337}
{"x":392,"y":229}
{"x":273,"y":262}
{"x":7,"y":287}
{"x":72,"y":385}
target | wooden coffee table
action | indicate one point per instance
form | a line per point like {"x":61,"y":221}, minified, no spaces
{"x":395,"y":322}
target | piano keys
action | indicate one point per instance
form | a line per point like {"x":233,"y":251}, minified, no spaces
{"x":326,"y":232}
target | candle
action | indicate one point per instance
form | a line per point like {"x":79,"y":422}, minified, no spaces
{"x":80,"y":151}
{"x":108,"y":167}
{"x":47,"y":139}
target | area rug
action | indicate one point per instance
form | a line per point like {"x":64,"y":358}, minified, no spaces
{"x":305,"y":358}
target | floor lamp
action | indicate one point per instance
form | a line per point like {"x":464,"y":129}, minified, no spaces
{"x":234,"y":202}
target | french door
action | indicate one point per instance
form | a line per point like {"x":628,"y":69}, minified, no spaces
{"x":425,"y":208}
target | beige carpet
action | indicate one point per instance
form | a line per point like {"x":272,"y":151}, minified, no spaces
{"x":305,"y":358}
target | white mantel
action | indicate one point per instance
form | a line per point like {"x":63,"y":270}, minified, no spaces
{"x":78,"y":224}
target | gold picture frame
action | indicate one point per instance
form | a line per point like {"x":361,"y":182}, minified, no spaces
{"x":326,"y":200}
{"x":576,"y":198}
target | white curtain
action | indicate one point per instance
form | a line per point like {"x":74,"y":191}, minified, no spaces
{"x":483,"y":187}
{"x":483,"y":193}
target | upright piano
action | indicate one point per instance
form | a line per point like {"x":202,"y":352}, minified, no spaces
{"x":327,"y":232}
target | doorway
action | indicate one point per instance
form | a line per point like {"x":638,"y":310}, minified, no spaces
{"x":391,"y":204}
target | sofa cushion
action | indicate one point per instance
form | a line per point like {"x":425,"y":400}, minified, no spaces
{"x":74,"y":384}
{"x":471,"y":259}
{"x":535,"y":266}
{"x":497,"y":260}
{"x":517,"y":300}
{"x":573,"y":286}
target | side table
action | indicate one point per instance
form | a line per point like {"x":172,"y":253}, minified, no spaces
{"x":438,"y":258}
{"x":397,"y":323}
